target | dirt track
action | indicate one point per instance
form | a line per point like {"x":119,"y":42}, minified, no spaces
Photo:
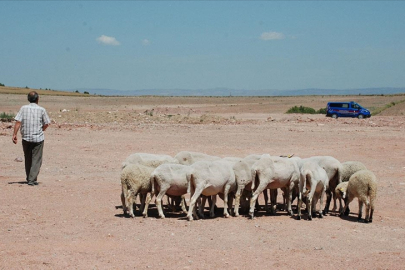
{"x":70,"y":220}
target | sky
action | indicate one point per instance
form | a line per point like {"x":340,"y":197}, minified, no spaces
{"x":250,"y":45}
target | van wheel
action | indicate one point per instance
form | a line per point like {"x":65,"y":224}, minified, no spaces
{"x":334,"y":116}
{"x":360,"y":116}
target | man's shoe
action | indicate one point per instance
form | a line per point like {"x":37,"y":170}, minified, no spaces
{"x":31,"y":184}
{"x":35,"y":183}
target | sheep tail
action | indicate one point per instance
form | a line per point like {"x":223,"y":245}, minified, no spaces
{"x":307,"y":182}
{"x":339,"y":176}
{"x":189,"y":178}
{"x":152,"y":183}
{"x":254,"y":174}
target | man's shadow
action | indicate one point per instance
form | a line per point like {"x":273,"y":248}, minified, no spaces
{"x":20,"y":182}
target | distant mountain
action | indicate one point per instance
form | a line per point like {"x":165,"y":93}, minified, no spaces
{"x":240,"y":92}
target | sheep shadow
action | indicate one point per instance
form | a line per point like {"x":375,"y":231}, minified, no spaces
{"x":152,"y":212}
{"x":353,"y":218}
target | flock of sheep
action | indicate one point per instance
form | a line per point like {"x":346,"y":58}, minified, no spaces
{"x":243,"y":180}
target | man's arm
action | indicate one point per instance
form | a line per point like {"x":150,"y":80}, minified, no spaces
{"x":16,"y":128}
{"x":45,"y":121}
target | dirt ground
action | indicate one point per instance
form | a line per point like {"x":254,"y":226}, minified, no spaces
{"x":71,"y":220}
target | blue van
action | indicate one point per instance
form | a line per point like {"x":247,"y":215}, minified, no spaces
{"x":346,"y":109}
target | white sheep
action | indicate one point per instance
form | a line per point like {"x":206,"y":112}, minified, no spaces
{"x":243,"y":178}
{"x":272,"y":173}
{"x":188,"y":157}
{"x":209,"y":178}
{"x":363,"y":185}
{"x":169,"y":179}
{"x":135,"y":179}
{"x":150,"y":160}
{"x":348,"y":169}
{"x":146,"y":159}
{"x":333,"y":169}
{"x":314,"y":179}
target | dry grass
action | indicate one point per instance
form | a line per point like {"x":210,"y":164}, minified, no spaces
{"x":25,"y":91}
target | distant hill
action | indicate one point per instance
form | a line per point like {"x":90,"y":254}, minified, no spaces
{"x":240,"y":92}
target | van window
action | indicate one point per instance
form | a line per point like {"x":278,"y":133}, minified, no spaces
{"x":345,"y":105}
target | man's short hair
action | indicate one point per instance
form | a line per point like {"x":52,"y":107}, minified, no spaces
{"x":33,"y":96}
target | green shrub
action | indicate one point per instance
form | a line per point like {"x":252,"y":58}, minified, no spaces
{"x":2,"y":84}
{"x":6,"y":117}
{"x":301,"y":109}
{"x":86,"y":93}
{"x":308,"y":110}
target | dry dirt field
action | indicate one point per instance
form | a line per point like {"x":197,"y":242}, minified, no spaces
{"x":70,"y":220}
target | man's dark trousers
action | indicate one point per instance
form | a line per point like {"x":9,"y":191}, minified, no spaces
{"x":33,"y":159}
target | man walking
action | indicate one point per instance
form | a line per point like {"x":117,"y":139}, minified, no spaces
{"x":33,"y":121}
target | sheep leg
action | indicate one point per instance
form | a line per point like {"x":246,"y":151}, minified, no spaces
{"x":195,"y":195}
{"x":360,"y":210}
{"x":130,"y":202}
{"x":348,"y":200}
{"x":266,"y":200}
{"x":237,"y":199}
{"x":340,"y":205}
{"x":230,"y":203}
{"x":170,"y":203}
{"x":273,"y":201}
{"x":299,"y":206}
{"x":315,"y":203}
{"x":257,"y":205}
{"x":130,"y":197}
{"x":372,"y":199}
{"x":334,"y":202}
{"x":201,"y":206}
{"x":309,"y":201}
{"x":285,"y":194}
{"x":288,"y":198}
{"x":226,"y":193}
{"x":255,"y":195}
{"x":328,"y":199}
{"x":367,"y":211}
{"x":309,"y":206}
{"x":142,"y":198}
{"x":212,"y":206}
{"x":371,"y":215}
{"x":147,"y":201}
{"x":321,"y":202}
{"x":198,"y":204}
{"x":183,"y":204}
{"x":210,"y":203}
{"x":158,"y":200}
{"x":124,"y":207}
{"x":191,"y":190}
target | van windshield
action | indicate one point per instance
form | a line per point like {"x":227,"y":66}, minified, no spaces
{"x":356,"y":106}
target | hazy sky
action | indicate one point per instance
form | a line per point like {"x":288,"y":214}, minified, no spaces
{"x":130,"y":45}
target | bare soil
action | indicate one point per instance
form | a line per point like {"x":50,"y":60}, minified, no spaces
{"x":72,"y":218}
